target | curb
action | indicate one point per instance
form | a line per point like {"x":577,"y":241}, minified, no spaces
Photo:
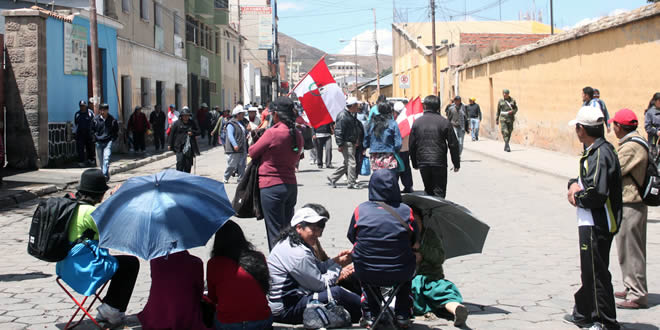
{"x":30,"y":194}
{"x":519,"y":164}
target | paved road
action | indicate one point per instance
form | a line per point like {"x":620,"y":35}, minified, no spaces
{"x":525,"y":278}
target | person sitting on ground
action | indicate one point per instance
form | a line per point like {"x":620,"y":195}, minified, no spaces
{"x":432,"y":293}
{"x":90,"y":192}
{"x":383,"y":138}
{"x":296,"y":274}
{"x":383,"y":233}
{"x":237,"y":278}
{"x":177,"y":286}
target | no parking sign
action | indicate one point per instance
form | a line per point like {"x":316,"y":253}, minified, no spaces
{"x":404,"y":81}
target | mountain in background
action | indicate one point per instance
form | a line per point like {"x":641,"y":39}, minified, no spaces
{"x":309,"y":55}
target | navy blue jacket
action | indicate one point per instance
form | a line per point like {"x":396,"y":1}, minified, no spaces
{"x":105,"y":130}
{"x":382,"y":245}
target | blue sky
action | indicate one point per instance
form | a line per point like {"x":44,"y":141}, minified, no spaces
{"x":323,"y":23}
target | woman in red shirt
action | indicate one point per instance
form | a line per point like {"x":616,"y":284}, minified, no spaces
{"x":238,"y":281}
{"x":279,"y":150}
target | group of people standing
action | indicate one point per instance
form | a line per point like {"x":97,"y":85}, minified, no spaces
{"x":94,"y":135}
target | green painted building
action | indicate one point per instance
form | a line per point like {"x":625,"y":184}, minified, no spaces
{"x":203,"y":50}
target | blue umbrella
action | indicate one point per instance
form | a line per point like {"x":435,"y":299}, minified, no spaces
{"x":156,"y":215}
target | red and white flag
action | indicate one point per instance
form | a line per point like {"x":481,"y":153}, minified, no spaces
{"x":405,"y":120}
{"x":320,"y":95}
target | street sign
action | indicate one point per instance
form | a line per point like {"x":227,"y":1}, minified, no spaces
{"x":404,"y":81}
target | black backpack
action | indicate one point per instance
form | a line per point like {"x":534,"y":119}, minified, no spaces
{"x":650,"y":188}
{"x":49,"y":232}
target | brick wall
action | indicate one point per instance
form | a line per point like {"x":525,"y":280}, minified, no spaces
{"x":504,"y":41}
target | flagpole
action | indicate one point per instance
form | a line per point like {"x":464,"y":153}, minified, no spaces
{"x":307,"y":74}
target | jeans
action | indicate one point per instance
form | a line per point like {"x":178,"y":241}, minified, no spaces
{"x":474,"y":127}
{"x":406,"y":176}
{"x":236,"y":163}
{"x":277,"y":203}
{"x":349,"y":300}
{"x":122,"y":282}
{"x":248,"y":325}
{"x":460,"y":135}
{"x":348,"y":167}
{"x":103,"y":153}
{"x":435,"y":180}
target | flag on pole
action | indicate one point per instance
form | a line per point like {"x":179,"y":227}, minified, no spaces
{"x":414,"y":110}
{"x":320,"y":95}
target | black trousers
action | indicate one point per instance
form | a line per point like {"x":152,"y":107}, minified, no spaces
{"x":406,"y":176}
{"x":183,"y":163}
{"x":159,"y":139}
{"x":435,"y":180}
{"x":122,"y":283}
{"x":85,"y":147}
{"x":138,"y":141}
{"x":594,"y":301}
{"x":278,"y":204}
{"x":320,"y":144}
{"x":358,"y":160}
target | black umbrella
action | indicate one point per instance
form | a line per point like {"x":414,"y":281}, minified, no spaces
{"x":462,"y":233}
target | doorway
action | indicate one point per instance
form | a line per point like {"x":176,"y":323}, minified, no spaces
{"x":160,"y":94}
{"x":126,"y":96}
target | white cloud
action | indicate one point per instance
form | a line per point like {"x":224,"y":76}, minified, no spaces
{"x":587,"y":21}
{"x":290,"y":6}
{"x":365,"y":43}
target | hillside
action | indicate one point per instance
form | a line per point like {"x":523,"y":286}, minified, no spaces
{"x":309,"y":55}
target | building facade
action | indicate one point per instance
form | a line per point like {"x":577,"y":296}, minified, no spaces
{"x":343,"y":69}
{"x":230,"y":90}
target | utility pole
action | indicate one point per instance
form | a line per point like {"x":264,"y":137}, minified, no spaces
{"x":96,"y":82}
{"x":356,"y":67}
{"x":435,"y":63}
{"x":376,"y":48}
{"x":552,"y":19}
{"x":240,"y":54}
{"x":291,"y":69}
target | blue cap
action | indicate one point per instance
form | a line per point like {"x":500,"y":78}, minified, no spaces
{"x":172,"y":106}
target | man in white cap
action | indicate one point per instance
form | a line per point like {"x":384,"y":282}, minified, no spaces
{"x":597,"y":195}
{"x":348,"y":133}
{"x":253,"y":116}
{"x":406,"y":176}
{"x":236,"y":145}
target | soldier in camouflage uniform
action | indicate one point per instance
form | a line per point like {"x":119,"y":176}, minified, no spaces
{"x":506,"y":113}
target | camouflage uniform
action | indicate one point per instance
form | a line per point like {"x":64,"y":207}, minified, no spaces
{"x":506,"y":112}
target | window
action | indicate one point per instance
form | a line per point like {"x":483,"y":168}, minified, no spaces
{"x":126,"y":6}
{"x":217,"y":42}
{"x":234,"y":54}
{"x":228,"y":52}
{"x":145,"y":91}
{"x":213,"y":87}
{"x":221,"y":4}
{"x":191,"y":29}
{"x":144,"y":9}
{"x":177,"y":24}
{"x":158,"y":11}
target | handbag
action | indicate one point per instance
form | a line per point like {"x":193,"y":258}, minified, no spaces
{"x":318,"y":315}
{"x":365,"y":169}
{"x":86,"y":267}
{"x":247,"y":199}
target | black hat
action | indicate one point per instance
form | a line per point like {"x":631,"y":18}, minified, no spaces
{"x":104,"y":106}
{"x":457,"y":98}
{"x":93,"y":181}
{"x":137,"y":107}
{"x":82,"y":102}
{"x":284,"y":104}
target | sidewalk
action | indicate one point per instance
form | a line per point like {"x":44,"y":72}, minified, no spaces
{"x":22,"y":187}
{"x":535,"y":159}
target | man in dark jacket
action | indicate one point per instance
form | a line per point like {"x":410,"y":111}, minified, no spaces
{"x":597,"y":195}
{"x":348,"y":133}
{"x":383,"y":232}
{"x":138,"y":125}
{"x":236,"y":145}
{"x":157,"y":120}
{"x":457,"y":116}
{"x":82,"y":123}
{"x":474,"y":115}
{"x":183,"y":130}
{"x":430,"y":137}
{"x":105,"y":130}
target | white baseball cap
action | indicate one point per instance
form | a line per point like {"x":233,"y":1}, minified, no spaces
{"x":399,"y":106}
{"x":237,"y":110}
{"x":255,"y":109}
{"x":308,"y":215}
{"x":351,"y":100}
{"x":588,"y":116}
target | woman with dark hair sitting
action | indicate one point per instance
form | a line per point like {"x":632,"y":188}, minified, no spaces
{"x":279,"y":150}
{"x":237,"y":279}
{"x":297,"y":274}
{"x":383,"y":139}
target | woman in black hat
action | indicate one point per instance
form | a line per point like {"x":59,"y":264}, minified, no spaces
{"x":90,"y":192}
{"x":182,"y":130}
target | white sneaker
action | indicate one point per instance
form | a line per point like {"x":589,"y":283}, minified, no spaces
{"x":225,"y":181}
{"x":109,"y":314}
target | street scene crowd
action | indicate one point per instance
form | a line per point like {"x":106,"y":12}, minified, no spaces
{"x":395,"y":243}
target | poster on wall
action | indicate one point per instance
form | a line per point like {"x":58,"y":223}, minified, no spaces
{"x":261,"y":16}
{"x":75,"y":49}
{"x":204,"y":66}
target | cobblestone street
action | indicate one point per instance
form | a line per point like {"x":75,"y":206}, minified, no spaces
{"x":525,"y":278}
